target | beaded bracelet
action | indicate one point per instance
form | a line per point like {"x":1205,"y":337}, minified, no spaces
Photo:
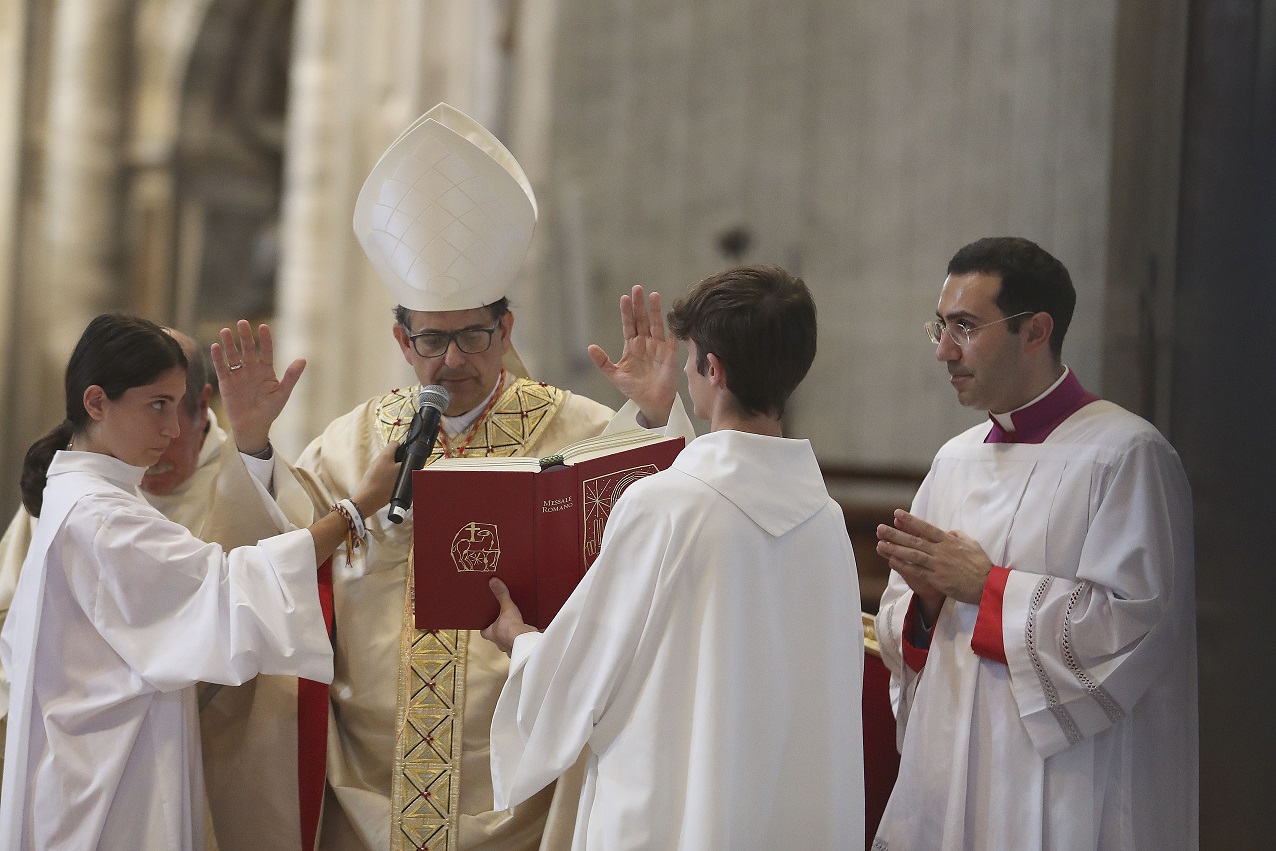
{"x":358,"y":531}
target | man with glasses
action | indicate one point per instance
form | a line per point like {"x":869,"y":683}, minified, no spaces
{"x":445,"y":218}
{"x":1039,"y":622}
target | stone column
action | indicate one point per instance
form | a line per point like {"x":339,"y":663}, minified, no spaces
{"x":13,"y":82}
{"x":70,"y":249}
{"x":87,"y":107}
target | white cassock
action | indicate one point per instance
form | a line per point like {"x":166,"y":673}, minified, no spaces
{"x":1086,"y":737}
{"x":117,"y":614}
{"x":712,"y":660}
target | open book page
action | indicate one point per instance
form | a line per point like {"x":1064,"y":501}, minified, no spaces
{"x":605,"y":444}
{"x":581,"y":450}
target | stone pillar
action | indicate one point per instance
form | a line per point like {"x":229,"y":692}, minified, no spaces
{"x":87,"y":108}
{"x":13,"y":82}
{"x":542,"y":326}
{"x":70,"y":249}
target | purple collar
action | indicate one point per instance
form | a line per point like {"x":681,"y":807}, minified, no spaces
{"x":1034,"y":423}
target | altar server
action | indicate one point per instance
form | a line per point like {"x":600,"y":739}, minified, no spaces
{"x":1040,"y":620}
{"x":119,"y":611}
{"x":712,"y":658}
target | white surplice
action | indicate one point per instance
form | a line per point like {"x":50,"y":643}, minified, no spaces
{"x":1087,"y":737}
{"x":117,"y":614}
{"x":712,"y":660}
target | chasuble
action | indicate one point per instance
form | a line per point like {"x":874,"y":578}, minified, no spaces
{"x":407,"y":755}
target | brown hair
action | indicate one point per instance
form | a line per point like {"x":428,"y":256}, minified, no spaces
{"x":760,"y":322}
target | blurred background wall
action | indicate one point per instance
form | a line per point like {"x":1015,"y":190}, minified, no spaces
{"x":197,"y":161}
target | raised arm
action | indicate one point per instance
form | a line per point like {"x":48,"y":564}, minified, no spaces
{"x":252,"y":394}
{"x":647,"y":372}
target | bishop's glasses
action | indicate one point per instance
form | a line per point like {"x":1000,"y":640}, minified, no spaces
{"x":471,"y":341}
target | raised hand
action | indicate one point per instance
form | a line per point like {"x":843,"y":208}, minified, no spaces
{"x":252,"y":394}
{"x":647,"y":371}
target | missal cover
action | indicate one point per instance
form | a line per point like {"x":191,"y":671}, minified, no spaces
{"x":537,"y":523}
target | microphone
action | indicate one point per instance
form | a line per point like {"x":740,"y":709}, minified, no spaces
{"x":417,"y":445}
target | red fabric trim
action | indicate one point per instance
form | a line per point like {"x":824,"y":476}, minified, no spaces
{"x":312,"y":730}
{"x":914,"y":657}
{"x":987,"y":639}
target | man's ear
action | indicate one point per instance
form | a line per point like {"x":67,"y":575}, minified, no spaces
{"x":1036,"y":331}
{"x":95,"y":400}
{"x":405,"y":345}
{"x":716,"y":372}
{"x":201,"y":407}
{"x":507,"y":331}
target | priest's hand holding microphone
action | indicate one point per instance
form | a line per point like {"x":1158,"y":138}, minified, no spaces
{"x":417,"y":445}
{"x":253,"y":397}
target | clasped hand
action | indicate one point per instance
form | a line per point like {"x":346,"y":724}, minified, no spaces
{"x":935,"y":564}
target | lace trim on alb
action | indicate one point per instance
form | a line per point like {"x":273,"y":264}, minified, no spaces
{"x":1101,"y":696}
{"x":1060,"y":712}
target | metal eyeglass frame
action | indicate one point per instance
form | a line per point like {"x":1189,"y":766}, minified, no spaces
{"x":960,"y":333}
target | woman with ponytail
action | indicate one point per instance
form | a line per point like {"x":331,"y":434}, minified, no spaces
{"x":119,"y":612}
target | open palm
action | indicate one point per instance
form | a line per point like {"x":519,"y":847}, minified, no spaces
{"x":647,"y":371}
{"x":252,"y":394}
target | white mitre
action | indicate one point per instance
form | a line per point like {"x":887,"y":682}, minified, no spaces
{"x":447,"y":214}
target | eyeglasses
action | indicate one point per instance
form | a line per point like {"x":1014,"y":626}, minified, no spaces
{"x":471,"y":341}
{"x":960,"y":332}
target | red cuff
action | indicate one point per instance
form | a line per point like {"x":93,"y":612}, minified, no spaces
{"x":987,"y":639}
{"x":914,"y":657}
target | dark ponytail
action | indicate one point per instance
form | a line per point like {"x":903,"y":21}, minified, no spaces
{"x":116,"y":352}
{"x":35,"y":468}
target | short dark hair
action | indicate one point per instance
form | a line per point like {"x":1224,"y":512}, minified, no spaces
{"x":760,"y":322}
{"x":498,"y":309}
{"x":116,"y":352}
{"x":1032,"y":280}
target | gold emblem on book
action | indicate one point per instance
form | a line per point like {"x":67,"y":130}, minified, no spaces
{"x":600,"y":494}
{"x":476,"y":548}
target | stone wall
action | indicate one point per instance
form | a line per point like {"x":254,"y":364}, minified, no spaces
{"x":859,"y":144}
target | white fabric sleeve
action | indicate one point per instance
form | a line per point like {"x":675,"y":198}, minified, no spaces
{"x":1082,"y":652}
{"x":13,"y":551}
{"x":263,"y":469}
{"x":890,"y":630}
{"x":179,"y":610}
{"x":679,"y":425}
